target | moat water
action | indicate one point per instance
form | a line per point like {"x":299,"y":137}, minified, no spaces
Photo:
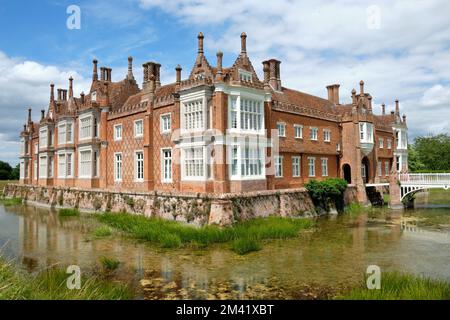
{"x":319,"y":263}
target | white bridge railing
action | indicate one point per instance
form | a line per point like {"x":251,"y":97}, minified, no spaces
{"x":425,"y":178}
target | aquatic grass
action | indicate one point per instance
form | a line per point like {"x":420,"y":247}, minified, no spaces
{"x":172,"y":234}
{"x":102,"y":231}
{"x":68,"y":212}
{"x":245,"y":245}
{"x":109,"y":264}
{"x":51,"y":284}
{"x":354,"y":209}
{"x":400,"y":286}
{"x":9,"y":202}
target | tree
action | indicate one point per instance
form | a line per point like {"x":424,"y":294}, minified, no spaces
{"x":15,"y":173}
{"x":5,"y":171}
{"x":414,"y":162}
{"x":433,"y":152}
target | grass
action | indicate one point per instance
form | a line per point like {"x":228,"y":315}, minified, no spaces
{"x":68,"y":212}
{"x":434,"y":196}
{"x":9,"y":202}
{"x":244,"y":246}
{"x":172,"y":234}
{"x":399,"y":286}
{"x":51,"y":285}
{"x":102,"y":231}
{"x":354,"y":209}
{"x":109,"y":264}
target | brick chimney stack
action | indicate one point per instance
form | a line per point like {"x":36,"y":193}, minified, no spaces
{"x":397,"y":108}
{"x":108,"y":74}
{"x":333,"y":93}
{"x":157,"y":75}
{"x":200,"y":38}
{"x":354,"y":96}
{"x":219,"y":65}
{"x":95,"y":73}
{"x":178,"y":74}
{"x":274,"y":73}
{"x":52,"y":93}
{"x":29,"y":115}
{"x":149,"y":71}
{"x":130,"y":75}
{"x":70,"y":87}
{"x":64,"y":94}
{"x":59,"y":94}
{"x":383,"y":109}
{"x":266,"y":70}
{"x":42,"y":114}
{"x":82,"y":97}
{"x":102,"y":73}
{"x":361,"y":87}
{"x":370,"y":103}
{"x":243,"y":43}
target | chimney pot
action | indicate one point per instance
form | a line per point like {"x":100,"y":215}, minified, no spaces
{"x":178,"y":74}
{"x":95,"y":73}
{"x":130,"y":75}
{"x":361,"y":87}
{"x":333,"y":93}
{"x":397,"y":107}
{"x":383,"y":109}
{"x":102,"y":73}
{"x":82,"y":97}
{"x":243,"y":43}
{"x":70,"y":87}
{"x":52,"y":92}
{"x":200,"y":38}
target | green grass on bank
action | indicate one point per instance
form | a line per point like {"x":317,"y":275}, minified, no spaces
{"x":8,"y":202}
{"x":52,"y":285}
{"x":398,"y":286}
{"x":172,"y":234}
{"x":68,"y":212}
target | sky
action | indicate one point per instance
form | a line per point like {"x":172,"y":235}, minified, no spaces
{"x":401,"y":49}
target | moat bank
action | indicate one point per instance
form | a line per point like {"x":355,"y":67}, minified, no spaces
{"x":199,"y":209}
{"x":319,"y":263}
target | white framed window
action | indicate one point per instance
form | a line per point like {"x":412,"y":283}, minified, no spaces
{"x":138,"y":128}
{"x":278,"y":166}
{"x":62,"y":133}
{"x":193,"y":163}
{"x":166,"y":123}
{"x":387,"y":168}
{"x":65,"y":166}
{"x":118,"y":167}
{"x":381,"y":143}
{"x":43,"y":167}
{"x":50,"y":167}
{"x":326,"y":135}
{"x":166,"y":165}
{"x":65,"y":133}
{"x":85,"y":167}
{"x":117,"y":132}
{"x":366,"y":132}
{"x":380,"y":168}
{"x":193,"y":115}
{"x":233,"y":113}
{"x":43,"y":141}
{"x":245,"y":75}
{"x":35,"y":175}
{"x":313,"y":133}
{"x":246,"y":113}
{"x":22,"y":169}
{"x":36,"y":148}
{"x":324,"y":167}
{"x":389,"y":144}
{"x":247,"y":162}
{"x":234,"y":161}
{"x":298,"y":129}
{"x":61,"y":165}
{"x":139,"y":165}
{"x":281,"y":126}
{"x":22,"y":146}
{"x":94,"y":96}
{"x":311,"y":167}
{"x":69,"y":132}
{"x":85,"y":127}
{"x":296,"y":166}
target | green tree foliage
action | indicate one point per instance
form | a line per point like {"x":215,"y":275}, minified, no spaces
{"x":328,"y":191}
{"x":9,"y":173}
{"x":430,"y":153}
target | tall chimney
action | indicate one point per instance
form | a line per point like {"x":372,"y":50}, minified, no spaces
{"x":397,"y":108}
{"x":370,"y":103}
{"x":333,"y":93}
{"x":157,"y":75}
{"x":130,"y":75}
{"x":70,"y":87}
{"x":200,"y":38}
{"x":64,"y":94}
{"x":274,"y":73}
{"x":102,"y":73}
{"x":243,"y":43}
{"x":266,"y":69}
{"x":278,"y":75}
{"x":354,"y":96}
{"x":82,"y":97}
{"x":404,"y":118}
{"x":178,"y":73}
{"x":145,"y":66}
{"x":29,"y":115}
{"x":109,"y":74}
{"x":52,"y":92}
{"x":383,"y":109}
{"x":59,"y":94}
{"x":219,"y":65}
{"x":95,"y":73}
{"x":42,"y":114}
{"x":361,"y":87}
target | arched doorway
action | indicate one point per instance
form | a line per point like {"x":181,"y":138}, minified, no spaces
{"x":365,"y":170}
{"x":347,"y":173}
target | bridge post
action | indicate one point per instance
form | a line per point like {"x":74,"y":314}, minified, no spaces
{"x":395,"y":194}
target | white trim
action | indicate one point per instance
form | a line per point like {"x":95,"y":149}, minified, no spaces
{"x":161,"y":123}
{"x":299,"y":158}
{"x":116,"y":138}
{"x":326,"y":167}
{"x":298,"y":126}
{"x":136,"y":179}
{"x":115,"y":167}
{"x":314,"y":167}
{"x":136,"y":135}
{"x":311,"y":130}
{"x":243,"y":95}
{"x":277,"y":159}
{"x":283,"y":125}
{"x":80,"y":119}
{"x":164,"y":180}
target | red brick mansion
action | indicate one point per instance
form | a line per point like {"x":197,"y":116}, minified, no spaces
{"x":218,"y":130}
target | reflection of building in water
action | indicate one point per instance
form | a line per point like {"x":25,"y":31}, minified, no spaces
{"x":411,"y":229}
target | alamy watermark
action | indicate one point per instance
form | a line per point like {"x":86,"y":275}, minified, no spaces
{"x":73,"y":22}
{"x":373,"y":17}
{"x":374,"y":279}
{"x":74,"y":280}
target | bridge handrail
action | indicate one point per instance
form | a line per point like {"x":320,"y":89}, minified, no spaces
{"x":425,"y":178}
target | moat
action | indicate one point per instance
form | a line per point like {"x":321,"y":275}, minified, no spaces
{"x":318,"y":264}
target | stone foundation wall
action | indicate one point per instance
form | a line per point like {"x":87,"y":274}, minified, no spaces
{"x":198,"y":209}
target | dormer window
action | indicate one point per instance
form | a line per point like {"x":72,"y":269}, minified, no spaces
{"x":245,"y":76}
{"x":200,"y":76}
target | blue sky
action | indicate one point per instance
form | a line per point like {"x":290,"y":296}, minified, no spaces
{"x":401,"y":49}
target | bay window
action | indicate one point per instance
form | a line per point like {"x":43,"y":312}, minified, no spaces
{"x":246,"y":113}
{"x":43,"y":167}
{"x":85,"y":169}
{"x":43,"y":141}
{"x":86,"y":127}
{"x":193,"y":162}
{"x":247,"y":162}
{"x":193,"y":115}
{"x":65,"y":133}
{"x":366,"y":132}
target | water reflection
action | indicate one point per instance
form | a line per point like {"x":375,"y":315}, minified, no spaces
{"x":333,"y":256}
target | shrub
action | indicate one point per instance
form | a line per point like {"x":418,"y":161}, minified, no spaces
{"x":109,"y":264}
{"x":246,"y":245}
{"x":327,"y":191}
{"x":102,"y":231}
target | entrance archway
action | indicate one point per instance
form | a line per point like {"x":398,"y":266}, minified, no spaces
{"x":347,"y":173}
{"x":365,"y":170}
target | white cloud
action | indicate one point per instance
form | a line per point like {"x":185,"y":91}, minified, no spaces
{"x":324,"y":42}
{"x":26,"y":84}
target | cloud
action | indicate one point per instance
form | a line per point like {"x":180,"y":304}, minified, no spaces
{"x":25,"y":84}
{"x":324,"y":42}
